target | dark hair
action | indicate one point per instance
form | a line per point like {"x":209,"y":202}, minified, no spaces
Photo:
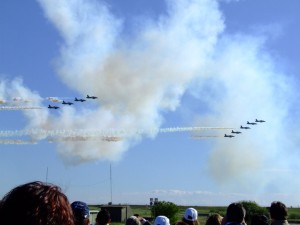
{"x":235,"y":212}
{"x":103,"y":217}
{"x":180,"y":223}
{"x":81,"y":212}
{"x":278,"y":211}
{"x":259,"y":220}
{"x":36,"y":203}
{"x":133,"y":220}
{"x":189,"y":222}
{"x":80,"y":220}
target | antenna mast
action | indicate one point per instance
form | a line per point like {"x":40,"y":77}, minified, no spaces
{"x":47,"y":175}
{"x":110,"y":185}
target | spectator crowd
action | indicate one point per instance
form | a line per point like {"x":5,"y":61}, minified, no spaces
{"x":38,"y":203}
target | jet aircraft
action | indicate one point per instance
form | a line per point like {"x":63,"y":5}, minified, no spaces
{"x":251,"y":123}
{"x":53,"y":107}
{"x":92,"y":97}
{"x":79,"y":100}
{"x":235,"y":132}
{"x":67,"y":103}
{"x":245,"y":127}
{"x":229,"y":136}
{"x":259,"y":121}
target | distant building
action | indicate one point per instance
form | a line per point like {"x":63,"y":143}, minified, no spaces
{"x":118,"y":213}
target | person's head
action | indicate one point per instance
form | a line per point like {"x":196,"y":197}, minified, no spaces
{"x":278,"y":211}
{"x":36,"y":203}
{"x":214,"y":219}
{"x":103,"y":217}
{"x":235,"y":213}
{"x":161,"y":220}
{"x":190,"y":216}
{"x":133,"y":220}
{"x":258,"y":219}
{"x":81,"y":213}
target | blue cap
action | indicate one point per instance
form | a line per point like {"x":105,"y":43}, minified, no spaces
{"x":80,"y":209}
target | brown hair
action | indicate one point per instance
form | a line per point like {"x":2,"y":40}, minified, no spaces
{"x":214,"y":219}
{"x":36,"y":203}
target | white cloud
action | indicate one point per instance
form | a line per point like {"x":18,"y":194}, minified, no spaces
{"x":136,"y":78}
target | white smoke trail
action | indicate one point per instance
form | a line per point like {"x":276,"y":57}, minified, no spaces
{"x":81,"y":138}
{"x":53,"y":99}
{"x":60,"y":99}
{"x":16,"y":142}
{"x":208,"y":136}
{"x":20,"y":100}
{"x":10,"y":89}
{"x":20,"y":107}
{"x":185,"y":129}
{"x":90,"y":133}
{"x":61,"y":133}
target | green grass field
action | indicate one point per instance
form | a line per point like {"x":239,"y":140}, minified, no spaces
{"x":144,"y":211}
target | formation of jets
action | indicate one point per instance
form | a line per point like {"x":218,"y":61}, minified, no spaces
{"x":70,"y":103}
{"x":242,"y":127}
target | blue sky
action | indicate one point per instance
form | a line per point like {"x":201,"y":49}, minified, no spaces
{"x":152,"y":64}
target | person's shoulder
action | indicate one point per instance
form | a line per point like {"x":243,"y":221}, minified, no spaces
{"x":235,"y":223}
{"x":147,"y":223}
{"x":279,"y":222}
{"x":180,"y":223}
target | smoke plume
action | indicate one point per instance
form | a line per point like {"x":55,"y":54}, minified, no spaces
{"x":139,"y":76}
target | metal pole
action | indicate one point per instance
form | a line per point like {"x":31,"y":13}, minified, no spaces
{"x":47,"y":175}
{"x":110,"y":185}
